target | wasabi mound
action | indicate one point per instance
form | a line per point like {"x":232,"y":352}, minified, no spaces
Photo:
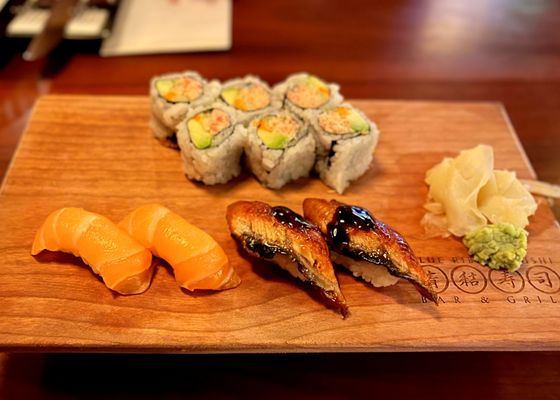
{"x":499,"y":246}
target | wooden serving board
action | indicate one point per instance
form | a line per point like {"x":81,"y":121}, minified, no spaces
{"x":98,"y":153}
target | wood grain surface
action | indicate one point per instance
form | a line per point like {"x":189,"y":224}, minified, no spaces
{"x":502,"y":50}
{"x":97,"y":153}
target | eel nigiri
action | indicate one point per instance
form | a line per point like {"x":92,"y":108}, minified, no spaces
{"x":122,"y":262}
{"x":280,"y":235}
{"x":197,"y":259}
{"x":366,"y":246}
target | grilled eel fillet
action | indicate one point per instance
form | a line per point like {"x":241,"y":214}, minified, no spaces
{"x":280,"y":235}
{"x":352,"y":231}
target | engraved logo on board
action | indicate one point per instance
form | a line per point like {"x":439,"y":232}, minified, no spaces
{"x":536,"y":277}
{"x":507,"y":282}
{"x":437,"y":278}
{"x":468,"y":279}
{"x":543,"y":279}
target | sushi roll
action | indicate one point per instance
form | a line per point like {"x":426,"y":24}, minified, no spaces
{"x":301,"y":93}
{"x":211,"y":144}
{"x":279,"y":148}
{"x":249,"y":97}
{"x":173,"y":95}
{"x":346,"y":139}
{"x":279,"y":235}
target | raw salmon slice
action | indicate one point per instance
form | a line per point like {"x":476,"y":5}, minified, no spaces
{"x":122,"y":262}
{"x":197,"y":259}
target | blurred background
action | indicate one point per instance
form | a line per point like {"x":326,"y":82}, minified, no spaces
{"x":505,"y":51}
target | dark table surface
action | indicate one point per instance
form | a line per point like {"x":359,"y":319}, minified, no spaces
{"x":504,"y":51}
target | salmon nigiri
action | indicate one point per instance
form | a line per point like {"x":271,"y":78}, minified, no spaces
{"x":196,"y":258}
{"x":122,"y":262}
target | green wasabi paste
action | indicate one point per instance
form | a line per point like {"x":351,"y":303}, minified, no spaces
{"x":499,"y":246}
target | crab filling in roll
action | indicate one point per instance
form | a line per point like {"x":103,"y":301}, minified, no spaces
{"x":179,"y":90}
{"x":343,"y":120}
{"x":276,"y":131}
{"x":248,"y":97}
{"x":310,"y":92}
{"x":206,"y":126}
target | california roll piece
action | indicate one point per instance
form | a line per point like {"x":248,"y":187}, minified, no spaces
{"x":173,"y":95}
{"x":303,"y":92}
{"x":279,"y":235}
{"x":370,"y":249}
{"x":279,"y":148}
{"x":211,"y":144}
{"x":346,"y":139}
{"x":249,"y":97}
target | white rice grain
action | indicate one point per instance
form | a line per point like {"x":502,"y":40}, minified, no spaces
{"x":376,"y":275}
{"x":352,"y":153}
{"x":170,"y":114}
{"x":276,"y":167}
{"x":216,"y":164}
{"x":282,"y":88}
{"x":245,"y":116}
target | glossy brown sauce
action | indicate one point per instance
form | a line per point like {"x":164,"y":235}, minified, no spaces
{"x":345,"y":217}
{"x":354,"y":217}
{"x":292,"y":219}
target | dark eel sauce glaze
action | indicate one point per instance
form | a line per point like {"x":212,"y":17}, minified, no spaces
{"x":287,"y":217}
{"x":359,"y":218}
{"x":345,"y":217}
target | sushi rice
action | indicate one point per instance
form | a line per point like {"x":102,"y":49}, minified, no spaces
{"x":173,"y":95}
{"x":282,"y":158}
{"x":303,"y":92}
{"x":346,"y":139}
{"x":249,"y":97}
{"x":377,"y":275}
{"x":216,"y":157}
